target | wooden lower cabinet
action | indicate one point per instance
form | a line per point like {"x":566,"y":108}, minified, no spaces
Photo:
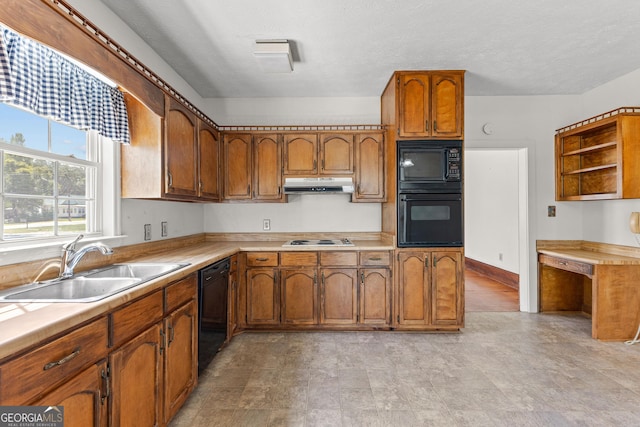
{"x":299,"y":296}
{"x":181,"y":355}
{"x":375,"y":297}
{"x":339,"y":296}
{"x":430,"y":289}
{"x":83,"y":398}
{"x":263,"y":297}
{"x":136,"y":379}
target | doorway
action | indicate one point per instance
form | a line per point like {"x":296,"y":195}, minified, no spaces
{"x":496,"y":225}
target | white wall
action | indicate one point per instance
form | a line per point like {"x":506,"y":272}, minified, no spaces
{"x":491,"y":207}
{"x":607,"y":220}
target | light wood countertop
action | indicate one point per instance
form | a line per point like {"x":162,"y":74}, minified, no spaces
{"x":590,"y":252}
{"x":23,"y":325}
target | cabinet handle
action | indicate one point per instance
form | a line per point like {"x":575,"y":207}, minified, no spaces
{"x":434,"y":261}
{"x":322,"y":164}
{"x":315,"y":277}
{"x":200,"y":186}
{"x":171,"y":334}
{"x":249,"y":189}
{"x":435,"y":126}
{"x":362,"y":278}
{"x":377,"y":258}
{"x":170,"y":179}
{"x":61,"y":361}
{"x":262,"y":259}
{"x":322,"y":278}
{"x":162,"y":336}
{"x":426,"y":125}
{"x":563,"y":262}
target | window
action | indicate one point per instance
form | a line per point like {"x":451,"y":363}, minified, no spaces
{"x":50,"y":175}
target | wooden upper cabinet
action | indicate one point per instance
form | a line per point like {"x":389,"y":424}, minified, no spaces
{"x":209,"y":162}
{"x":181,"y":150}
{"x":336,"y":154}
{"x":300,"y":154}
{"x":428,"y":104}
{"x":267,"y":169}
{"x":369,"y":168}
{"x":237,"y":166}
{"x":446,"y":105}
{"x":414,"y":118}
{"x":597,"y":158}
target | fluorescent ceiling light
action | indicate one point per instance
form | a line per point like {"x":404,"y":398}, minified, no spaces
{"x":273,"y":56}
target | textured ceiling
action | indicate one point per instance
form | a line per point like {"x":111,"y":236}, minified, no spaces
{"x":350,"y":47}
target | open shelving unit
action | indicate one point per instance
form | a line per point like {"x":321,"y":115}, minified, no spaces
{"x":599,"y":158}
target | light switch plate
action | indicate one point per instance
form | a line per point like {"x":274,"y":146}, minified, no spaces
{"x":164,"y":229}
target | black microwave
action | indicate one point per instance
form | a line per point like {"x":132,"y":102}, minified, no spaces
{"x":429,"y":165}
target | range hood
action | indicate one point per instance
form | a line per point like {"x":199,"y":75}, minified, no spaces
{"x":318,"y":185}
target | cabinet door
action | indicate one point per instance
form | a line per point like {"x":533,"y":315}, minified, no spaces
{"x":300,"y":154}
{"x":336,"y":154}
{"x":338,"y":296}
{"x":447,"y":288}
{"x":181,"y":358}
{"x":369,"y":168}
{"x":209,"y":160}
{"x":300,"y":296}
{"x":413,"y":292}
{"x":414,"y":105}
{"x":263,"y":297}
{"x":83,"y":398}
{"x":237,"y":166}
{"x":446,"y":105}
{"x":267,"y":170}
{"x":181,"y":150}
{"x":136,"y":378}
{"x":375,"y":296}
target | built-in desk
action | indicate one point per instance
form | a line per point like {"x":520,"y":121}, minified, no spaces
{"x":599,"y":279}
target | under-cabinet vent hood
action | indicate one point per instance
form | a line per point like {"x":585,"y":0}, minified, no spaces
{"x":318,"y":185}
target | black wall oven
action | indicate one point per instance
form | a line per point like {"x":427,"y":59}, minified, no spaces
{"x":430,"y":220}
{"x":430,"y":202}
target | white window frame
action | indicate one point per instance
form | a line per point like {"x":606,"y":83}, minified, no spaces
{"x":107,"y":201}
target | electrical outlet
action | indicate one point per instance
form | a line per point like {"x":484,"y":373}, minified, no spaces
{"x":551,"y":211}
{"x":266,"y":224}
{"x":163,"y":229}
{"x":147,"y":232}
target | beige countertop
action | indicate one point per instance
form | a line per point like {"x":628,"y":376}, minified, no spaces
{"x":23,"y":325}
{"x":590,"y":252}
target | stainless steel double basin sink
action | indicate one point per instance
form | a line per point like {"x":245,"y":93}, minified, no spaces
{"x":90,"y":285}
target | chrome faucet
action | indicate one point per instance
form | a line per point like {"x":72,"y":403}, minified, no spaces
{"x":71,"y":257}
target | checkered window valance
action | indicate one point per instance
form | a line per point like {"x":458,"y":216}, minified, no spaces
{"x":35,"y":77}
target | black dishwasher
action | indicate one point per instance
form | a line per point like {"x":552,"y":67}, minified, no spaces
{"x":212,"y":321}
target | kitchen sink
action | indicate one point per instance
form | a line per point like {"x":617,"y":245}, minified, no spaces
{"x":91,"y":285}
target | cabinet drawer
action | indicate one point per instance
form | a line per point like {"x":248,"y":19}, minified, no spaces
{"x":349,"y":259}
{"x":375,"y":258}
{"x":262,"y":259}
{"x":39,"y":370}
{"x":292,"y":259}
{"x":180,"y":292}
{"x":127,"y":322}
{"x":566,"y":264}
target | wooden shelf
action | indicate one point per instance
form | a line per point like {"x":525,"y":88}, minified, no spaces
{"x":596,"y":158}
{"x":590,"y":149}
{"x":591,"y":169}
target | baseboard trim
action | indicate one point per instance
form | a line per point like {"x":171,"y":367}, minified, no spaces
{"x":495,"y":273}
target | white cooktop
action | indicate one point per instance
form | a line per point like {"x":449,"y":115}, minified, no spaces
{"x":318,"y":242}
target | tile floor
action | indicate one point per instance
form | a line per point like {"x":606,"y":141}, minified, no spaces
{"x":504,"y":369}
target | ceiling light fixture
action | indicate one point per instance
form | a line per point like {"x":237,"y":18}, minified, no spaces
{"x":274,"y":56}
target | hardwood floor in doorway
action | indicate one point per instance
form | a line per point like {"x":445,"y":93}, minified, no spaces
{"x":483,"y":294}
